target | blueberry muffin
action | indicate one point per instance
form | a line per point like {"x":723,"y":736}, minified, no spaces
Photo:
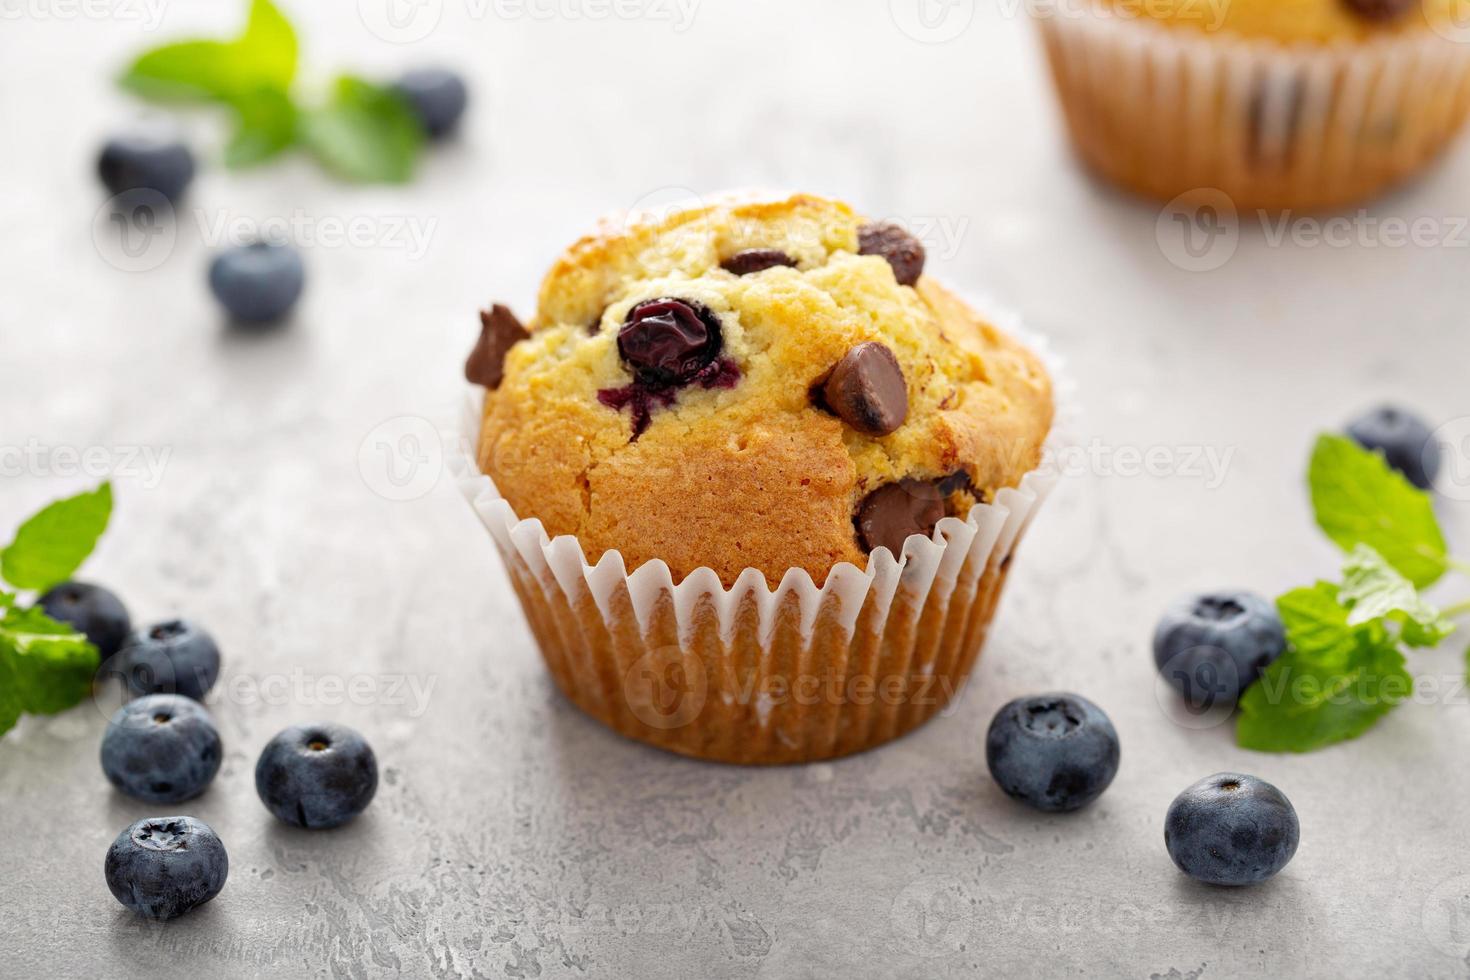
{"x":769,"y":385}
{"x":741,"y":428}
{"x":1278,"y":103}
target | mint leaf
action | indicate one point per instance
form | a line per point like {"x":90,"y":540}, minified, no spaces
{"x":53,"y":543}
{"x":1373,"y":590}
{"x":1359,"y":499}
{"x":368,"y":133}
{"x":1316,"y":622}
{"x":266,"y":126}
{"x":45,"y":666}
{"x":1306,"y":702}
{"x":263,"y":56}
{"x":187,"y":70}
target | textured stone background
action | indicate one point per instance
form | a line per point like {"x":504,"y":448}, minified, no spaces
{"x":512,"y":836}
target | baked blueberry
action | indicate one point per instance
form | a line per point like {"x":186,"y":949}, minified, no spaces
{"x":668,"y":344}
{"x":1212,"y":646}
{"x":143,"y":161}
{"x":1055,"y":752}
{"x":163,"y":867}
{"x":175,"y":656}
{"x":91,"y":609}
{"x":753,"y":260}
{"x":438,"y":98}
{"x":317,"y":776}
{"x":258,"y":282}
{"x":1404,"y":439}
{"x":162,"y":748}
{"x":1231,"y":829}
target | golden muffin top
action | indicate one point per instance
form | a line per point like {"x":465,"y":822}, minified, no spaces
{"x":1297,"y":20}
{"x":767,"y":383}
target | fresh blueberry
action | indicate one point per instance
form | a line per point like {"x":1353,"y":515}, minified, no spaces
{"x":1056,"y":752}
{"x":1214,"y":645}
{"x":317,"y":776}
{"x":172,"y":657}
{"x":162,"y":748}
{"x":144,"y":161}
{"x":438,"y":98}
{"x":93,"y":610}
{"x":258,"y":282}
{"x":1403,"y":438}
{"x":1231,"y":829}
{"x":163,"y":867}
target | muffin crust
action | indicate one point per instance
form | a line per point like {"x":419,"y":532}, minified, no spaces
{"x":757,"y":473}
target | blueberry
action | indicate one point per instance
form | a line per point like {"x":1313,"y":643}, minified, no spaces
{"x":1231,"y":829}
{"x":146,"y":161}
{"x":1056,"y":752}
{"x":93,"y":610}
{"x":1403,"y":438}
{"x":172,"y":657}
{"x":1214,"y":645}
{"x":163,"y":867}
{"x":258,"y":282}
{"x":162,"y":748}
{"x":317,"y":776}
{"x":438,"y":98}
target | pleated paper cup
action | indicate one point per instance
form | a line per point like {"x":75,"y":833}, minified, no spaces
{"x":1166,"y":111}
{"x":754,"y":675}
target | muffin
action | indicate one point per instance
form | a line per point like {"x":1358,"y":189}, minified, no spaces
{"x":1306,"y":104}
{"x":747,"y":464}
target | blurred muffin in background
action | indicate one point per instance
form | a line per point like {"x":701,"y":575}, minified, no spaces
{"x":1307,"y":104}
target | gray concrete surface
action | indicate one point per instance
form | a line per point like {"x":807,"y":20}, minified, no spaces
{"x":514,"y":837}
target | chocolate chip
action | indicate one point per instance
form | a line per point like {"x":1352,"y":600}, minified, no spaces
{"x":1379,"y":10}
{"x":499,"y":331}
{"x":955,"y":482}
{"x":867,"y":391}
{"x":902,"y":250}
{"x":668,"y":341}
{"x":754,"y":260}
{"x":888,"y":515}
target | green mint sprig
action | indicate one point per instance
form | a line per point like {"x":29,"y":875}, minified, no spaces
{"x":365,"y":132}
{"x":1345,"y":667}
{"x":46,"y":666}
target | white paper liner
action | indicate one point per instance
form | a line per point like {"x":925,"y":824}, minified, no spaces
{"x":919,"y":621}
{"x":984,"y":537}
{"x":1167,"y":110}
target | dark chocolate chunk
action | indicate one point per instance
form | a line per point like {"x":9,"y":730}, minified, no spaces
{"x":499,"y":331}
{"x":957,"y":481}
{"x":903,"y":251}
{"x":756,"y":260}
{"x":1380,"y":11}
{"x":668,"y":341}
{"x":888,"y":515}
{"x":867,"y":391}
